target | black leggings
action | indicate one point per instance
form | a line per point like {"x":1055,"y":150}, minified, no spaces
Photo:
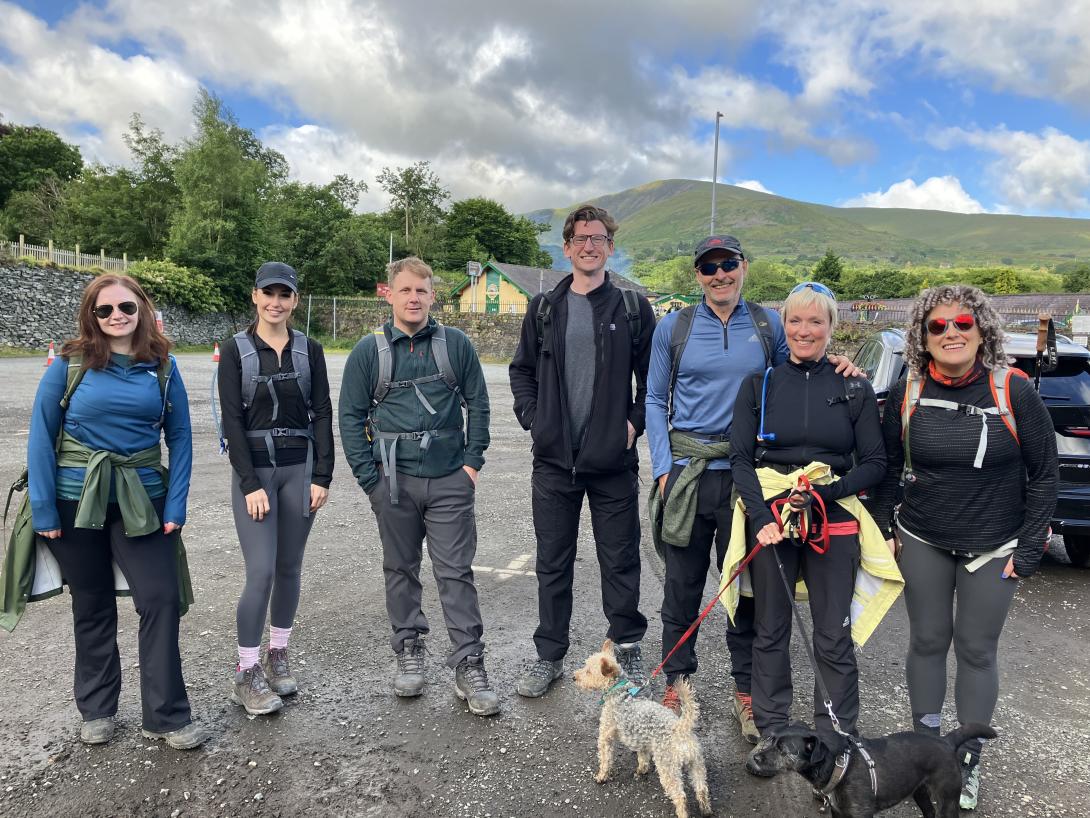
{"x":272,"y":550}
{"x":150,"y":565}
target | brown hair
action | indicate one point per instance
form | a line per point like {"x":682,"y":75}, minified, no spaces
{"x":589,"y":213}
{"x":413,"y":265}
{"x":992,"y":355}
{"x":148,"y":343}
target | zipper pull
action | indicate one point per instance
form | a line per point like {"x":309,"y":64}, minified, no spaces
{"x":573,"y":475}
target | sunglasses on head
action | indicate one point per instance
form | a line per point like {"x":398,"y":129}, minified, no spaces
{"x":940,"y":326}
{"x":816,"y":286}
{"x":104,"y":311}
{"x":710,"y":268}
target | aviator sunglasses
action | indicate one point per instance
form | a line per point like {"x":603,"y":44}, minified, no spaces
{"x":710,"y":268}
{"x":940,"y":326}
{"x":104,"y":311}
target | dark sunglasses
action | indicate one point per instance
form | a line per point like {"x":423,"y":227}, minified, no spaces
{"x":940,"y":326}
{"x":710,"y":268}
{"x":104,"y":311}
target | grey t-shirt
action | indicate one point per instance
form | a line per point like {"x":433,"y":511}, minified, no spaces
{"x":579,"y":355}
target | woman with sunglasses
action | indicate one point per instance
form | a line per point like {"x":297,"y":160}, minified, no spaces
{"x":100,"y":495}
{"x":979,"y":489}
{"x":802,"y":418}
{"x":278,"y":428}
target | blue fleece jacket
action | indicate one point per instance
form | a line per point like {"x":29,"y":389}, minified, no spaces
{"x":715,"y":362}
{"x":114,"y":409}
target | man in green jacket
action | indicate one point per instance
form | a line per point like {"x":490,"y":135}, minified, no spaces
{"x":403,"y":434}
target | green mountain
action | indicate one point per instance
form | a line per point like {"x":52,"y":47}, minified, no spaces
{"x":662,"y":219}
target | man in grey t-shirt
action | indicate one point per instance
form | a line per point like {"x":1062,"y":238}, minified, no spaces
{"x":578,"y":352}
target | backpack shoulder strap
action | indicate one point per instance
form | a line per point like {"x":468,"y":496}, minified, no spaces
{"x":162,"y":373}
{"x":761,"y":322}
{"x":300,"y":359}
{"x":854,"y":392}
{"x":385,"y":366}
{"x":913,"y":388}
{"x":1001,"y":394}
{"x":249,"y":367}
{"x":632,"y":315}
{"x":544,"y":325}
{"x":440,"y":352}
{"x":76,"y":371}
{"x":679,"y":338}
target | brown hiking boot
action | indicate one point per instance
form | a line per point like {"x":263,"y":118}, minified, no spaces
{"x":278,"y":673}
{"x":743,"y":711}
{"x":251,"y":690}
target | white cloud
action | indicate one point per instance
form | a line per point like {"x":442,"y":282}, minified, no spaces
{"x":1046,"y":172}
{"x":936,"y":193}
{"x":753,"y":184}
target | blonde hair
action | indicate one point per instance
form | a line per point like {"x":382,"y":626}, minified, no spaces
{"x":806,"y":297}
{"x":412,"y":264}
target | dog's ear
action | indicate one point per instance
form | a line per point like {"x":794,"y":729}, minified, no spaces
{"x":610,"y":668}
{"x":607,"y":647}
{"x":823,"y":748}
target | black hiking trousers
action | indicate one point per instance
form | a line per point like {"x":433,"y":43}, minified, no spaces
{"x":614,"y":512}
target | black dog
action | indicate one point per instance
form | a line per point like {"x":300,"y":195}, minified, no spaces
{"x":923,"y":766}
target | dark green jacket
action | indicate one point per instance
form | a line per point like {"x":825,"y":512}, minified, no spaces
{"x":402,"y":411}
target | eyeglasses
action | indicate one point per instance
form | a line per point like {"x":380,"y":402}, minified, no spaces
{"x":816,"y":286}
{"x":710,"y":268}
{"x":597,"y":240}
{"x":104,"y":311}
{"x":940,"y":326}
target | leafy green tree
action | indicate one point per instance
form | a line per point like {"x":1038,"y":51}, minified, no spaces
{"x":1006,"y":282}
{"x":885,"y":282}
{"x":416,"y":203}
{"x":353,"y":258}
{"x":1077,"y":280}
{"x":768,"y":281}
{"x":222,"y":174}
{"x":829,"y":269}
{"x":480,"y":229}
{"x":37,"y":214}
{"x":32,"y":156}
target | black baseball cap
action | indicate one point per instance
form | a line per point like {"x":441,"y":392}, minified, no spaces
{"x":276,"y":272}
{"x":728,"y":243}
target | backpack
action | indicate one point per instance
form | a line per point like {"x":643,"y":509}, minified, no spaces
{"x":76,"y":371}
{"x":999,"y":380}
{"x":439,"y":354}
{"x":683,"y":328}
{"x":853,"y":396}
{"x":632,"y":316}
{"x":250,"y":366}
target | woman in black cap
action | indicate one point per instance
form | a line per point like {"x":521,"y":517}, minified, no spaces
{"x":277,"y":428}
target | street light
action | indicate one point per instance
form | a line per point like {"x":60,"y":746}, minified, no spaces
{"x":715,"y":169}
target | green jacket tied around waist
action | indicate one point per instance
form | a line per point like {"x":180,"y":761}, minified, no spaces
{"x":672,"y":522}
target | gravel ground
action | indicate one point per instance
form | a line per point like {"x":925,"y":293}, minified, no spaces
{"x":346,"y":746}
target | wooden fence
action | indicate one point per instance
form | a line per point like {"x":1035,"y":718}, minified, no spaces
{"x":66,"y":258}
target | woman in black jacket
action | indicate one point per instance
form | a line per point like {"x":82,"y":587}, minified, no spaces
{"x":798,"y":413}
{"x":278,"y":426}
{"x":979,"y":490}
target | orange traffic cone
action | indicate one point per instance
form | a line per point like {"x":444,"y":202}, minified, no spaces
{"x":215,"y":352}
{"x":51,"y":355}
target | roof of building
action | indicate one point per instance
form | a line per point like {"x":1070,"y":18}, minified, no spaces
{"x":532,"y":280}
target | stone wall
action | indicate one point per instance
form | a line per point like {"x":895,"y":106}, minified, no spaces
{"x":38,"y":304}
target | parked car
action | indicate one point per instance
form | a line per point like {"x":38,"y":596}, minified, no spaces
{"x":1066,"y":393}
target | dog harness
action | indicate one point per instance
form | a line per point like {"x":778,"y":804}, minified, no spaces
{"x":629,"y":687}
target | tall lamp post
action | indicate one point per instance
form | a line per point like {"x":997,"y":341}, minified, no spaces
{"x":715,"y":169}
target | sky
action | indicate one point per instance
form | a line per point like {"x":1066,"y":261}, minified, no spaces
{"x":970,"y":106}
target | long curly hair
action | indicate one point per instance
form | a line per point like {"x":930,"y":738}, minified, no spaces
{"x":972,"y":299}
{"x":148,"y":343}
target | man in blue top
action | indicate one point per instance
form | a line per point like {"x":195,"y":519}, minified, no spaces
{"x":723,"y":340}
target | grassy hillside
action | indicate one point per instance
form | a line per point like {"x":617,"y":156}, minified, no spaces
{"x":668,"y":217}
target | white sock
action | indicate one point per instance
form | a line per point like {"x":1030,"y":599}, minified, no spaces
{"x":248,"y":657}
{"x":278,"y":637}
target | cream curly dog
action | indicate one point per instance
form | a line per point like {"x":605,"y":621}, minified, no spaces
{"x":647,"y":727}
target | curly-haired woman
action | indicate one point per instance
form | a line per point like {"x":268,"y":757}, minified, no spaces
{"x":100,"y":495}
{"x":975,"y":450}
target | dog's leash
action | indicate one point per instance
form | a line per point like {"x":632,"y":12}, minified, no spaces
{"x":807,"y":641}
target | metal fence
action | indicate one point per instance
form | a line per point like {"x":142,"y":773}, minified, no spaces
{"x":66,"y":258}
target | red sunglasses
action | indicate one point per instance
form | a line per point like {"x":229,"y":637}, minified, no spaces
{"x":940,"y":326}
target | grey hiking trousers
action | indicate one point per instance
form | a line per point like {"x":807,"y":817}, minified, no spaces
{"x":441,"y":509}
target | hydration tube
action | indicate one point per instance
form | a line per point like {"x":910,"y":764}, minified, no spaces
{"x":762,"y":437}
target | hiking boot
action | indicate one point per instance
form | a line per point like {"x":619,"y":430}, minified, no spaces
{"x":755,"y":765}
{"x":631,"y":661}
{"x":97,"y":731}
{"x":534,"y":683}
{"x":277,"y":672}
{"x":743,"y":711}
{"x":471,"y":685}
{"x":409,"y":680}
{"x":671,"y":700}
{"x":251,"y":690}
{"x":970,"y":786}
{"x":184,"y":738}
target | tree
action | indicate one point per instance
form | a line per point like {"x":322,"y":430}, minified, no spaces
{"x":768,"y":281}
{"x":480,"y":229}
{"x":38,"y":213}
{"x":829,"y":269}
{"x":32,"y":156}
{"x":886,"y":282}
{"x":416,"y":199}
{"x":1077,"y":280}
{"x":352,"y":259}
{"x":222,"y":174}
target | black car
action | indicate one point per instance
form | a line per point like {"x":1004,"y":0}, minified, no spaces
{"x":1066,"y":393}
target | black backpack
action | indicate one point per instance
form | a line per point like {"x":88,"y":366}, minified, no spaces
{"x":631,"y":314}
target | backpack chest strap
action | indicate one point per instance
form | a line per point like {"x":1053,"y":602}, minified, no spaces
{"x":968,"y":409}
